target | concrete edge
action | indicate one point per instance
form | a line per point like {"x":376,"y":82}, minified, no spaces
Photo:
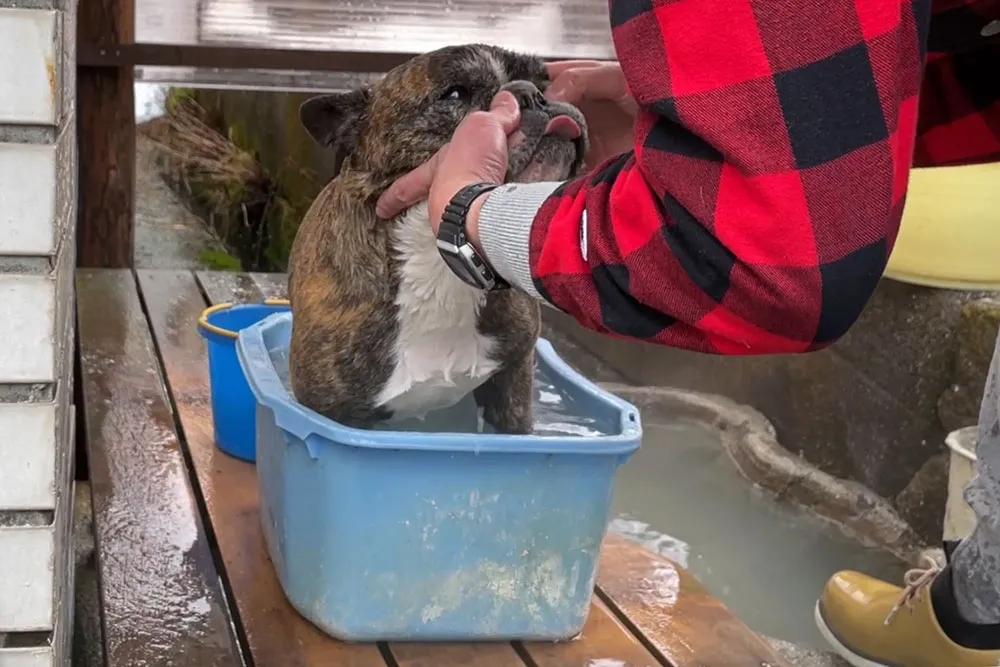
{"x":752,"y":444}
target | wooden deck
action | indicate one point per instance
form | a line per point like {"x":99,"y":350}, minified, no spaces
{"x":183,"y":567}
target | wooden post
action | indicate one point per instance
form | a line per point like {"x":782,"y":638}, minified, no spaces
{"x":106,"y":131}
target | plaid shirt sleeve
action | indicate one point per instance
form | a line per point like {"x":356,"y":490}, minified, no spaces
{"x":763,"y":196}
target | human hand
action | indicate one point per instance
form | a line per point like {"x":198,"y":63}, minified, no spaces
{"x":599,"y":90}
{"x":477,"y":153}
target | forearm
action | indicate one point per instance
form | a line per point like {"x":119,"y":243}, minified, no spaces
{"x":504,"y":224}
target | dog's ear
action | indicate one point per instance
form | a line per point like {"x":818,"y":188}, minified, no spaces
{"x":335,"y":120}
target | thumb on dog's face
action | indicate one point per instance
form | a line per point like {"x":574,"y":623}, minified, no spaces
{"x":478,"y":149}
{"x":506,"y":110}
{"x":477,"y":153}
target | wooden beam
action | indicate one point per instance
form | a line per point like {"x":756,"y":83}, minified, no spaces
{"x":219,"y":56}
{"x":210,"y":56}
{"x":106,"y":140}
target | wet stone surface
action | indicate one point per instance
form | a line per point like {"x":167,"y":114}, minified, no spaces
{"x":682,"y":496}
{"x":167,"y":234}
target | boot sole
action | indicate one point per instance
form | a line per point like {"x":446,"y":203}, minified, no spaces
{"x":839,"y":647}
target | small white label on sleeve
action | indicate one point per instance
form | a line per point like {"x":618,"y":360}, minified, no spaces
{"x":583,"y":236}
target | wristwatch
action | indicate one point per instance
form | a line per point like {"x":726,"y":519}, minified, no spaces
{"x":456,"y":250}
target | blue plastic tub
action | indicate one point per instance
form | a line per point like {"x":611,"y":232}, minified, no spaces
{"x":418,"y":536}
{"x":233,"y":404}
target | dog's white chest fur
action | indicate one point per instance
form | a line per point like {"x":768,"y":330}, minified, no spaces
{"x":440,"y":354}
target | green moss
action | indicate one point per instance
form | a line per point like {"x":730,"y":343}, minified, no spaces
{"x":237,"y":132}
{"x":282,"y":221}
{"x":978,"y":330}
{"x":219,"y":260}
{"x":175,"y":95}
{"x":257,"y":214}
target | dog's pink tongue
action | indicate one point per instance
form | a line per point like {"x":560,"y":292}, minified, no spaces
{"x":565,"y":127}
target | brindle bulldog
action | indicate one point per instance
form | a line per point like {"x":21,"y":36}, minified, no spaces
{"x":382,"y":328}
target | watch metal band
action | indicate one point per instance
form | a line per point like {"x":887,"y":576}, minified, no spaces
{"x":458,"y":208}
{"x":454,"y":245}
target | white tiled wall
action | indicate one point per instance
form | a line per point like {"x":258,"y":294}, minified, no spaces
{"x":28,"y":452}
{"x":27,"y":328}
{"x":37,"y":219}
{"x":28,"y":66}
{"x":28,"y":194}
{"x":27,"y":584}
{"x":26,"y":657}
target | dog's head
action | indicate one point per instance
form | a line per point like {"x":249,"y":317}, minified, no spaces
{"x":384,"y":130}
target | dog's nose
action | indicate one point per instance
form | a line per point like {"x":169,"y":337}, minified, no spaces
{"x":528,"y":96}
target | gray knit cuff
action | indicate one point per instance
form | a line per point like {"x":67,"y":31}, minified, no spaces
{"x":505,"y":230}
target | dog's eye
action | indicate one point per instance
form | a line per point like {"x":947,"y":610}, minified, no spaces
{"x":456,"y":94}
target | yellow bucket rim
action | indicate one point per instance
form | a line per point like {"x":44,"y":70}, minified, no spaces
{"x":208,"y":326}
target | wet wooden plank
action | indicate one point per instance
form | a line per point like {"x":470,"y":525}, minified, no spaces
{"x":604,"y":642}
{"x":223,"y":286}
{"x":277,"y":635}
{"x":240,"y":287}
{"x":272,"y":285}
{"x":676,"y":615}
{"x":160,"y":594}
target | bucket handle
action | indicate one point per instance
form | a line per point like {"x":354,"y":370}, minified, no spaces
{"x":219,"y":331}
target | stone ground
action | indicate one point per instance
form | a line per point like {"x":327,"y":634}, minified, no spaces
{"x":170,"y":236}
{"x":167,"y":234}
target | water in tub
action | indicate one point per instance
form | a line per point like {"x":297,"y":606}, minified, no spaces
{"x":553,"y":412}
{"x":682,"y":497}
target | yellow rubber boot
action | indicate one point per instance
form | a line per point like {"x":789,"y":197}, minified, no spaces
{"x":871,"y":623}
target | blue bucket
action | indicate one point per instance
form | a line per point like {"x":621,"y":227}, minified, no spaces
{"x":434,"y":536}
{"x":233,"y":404}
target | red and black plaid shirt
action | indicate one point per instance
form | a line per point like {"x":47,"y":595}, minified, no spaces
{"x":759,"y":206}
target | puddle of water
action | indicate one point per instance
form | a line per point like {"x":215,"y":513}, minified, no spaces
{"x":681,"y":495}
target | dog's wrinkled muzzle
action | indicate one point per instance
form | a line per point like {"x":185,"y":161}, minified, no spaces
{"x":551,"y":141}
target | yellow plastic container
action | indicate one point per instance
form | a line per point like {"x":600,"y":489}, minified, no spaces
{"x":950,"y":235}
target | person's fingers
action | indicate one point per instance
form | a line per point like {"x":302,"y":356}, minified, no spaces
{"x":506,"y":110}
{"x":559,"y":66}
{"x":409,"y":189}
{"x":589,"y":84}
